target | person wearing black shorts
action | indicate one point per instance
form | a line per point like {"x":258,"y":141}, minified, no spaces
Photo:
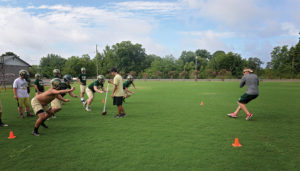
{"x":117,"y":93}
{"x":251,"y":81}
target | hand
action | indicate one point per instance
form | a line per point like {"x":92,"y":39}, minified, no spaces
{"x":101,"y":91}
{"x":67,"y":100}
{"x":16,"y":97}
{"x":132,"y":92}
{"x":73,"y":88}
{"x":112,"y":96}
{"x":109,"y":81}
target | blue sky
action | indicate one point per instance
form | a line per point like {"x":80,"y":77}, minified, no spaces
{"x":252,"y":28}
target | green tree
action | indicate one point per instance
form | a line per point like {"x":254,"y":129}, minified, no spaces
{"x":50,"y":62}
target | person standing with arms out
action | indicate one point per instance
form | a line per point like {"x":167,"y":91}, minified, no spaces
{"x":1,"y":123}
{"x":20,"y":86}
{"x":82,"y":80}
{"x":127,"y":84}
{"x":38,"y":84}
{"x":251,"y":81}
{"x":41,"y":101}
{"x":118,"y":92}
{"x":92,"y":89}
{"x":55,"y":104}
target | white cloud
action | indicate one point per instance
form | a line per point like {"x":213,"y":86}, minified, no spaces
{"x":70,"y":30}
{"x":209,"y":40}
{"x":165,"y":8}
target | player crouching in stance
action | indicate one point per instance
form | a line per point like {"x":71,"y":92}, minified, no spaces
{"x":251,"y":81}
{"x":126,"y":85}
{"x":92,"y":88}
{"x":56,"y":104}
{"x":40,"y":103}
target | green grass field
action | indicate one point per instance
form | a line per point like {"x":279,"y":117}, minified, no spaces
{"x":166,"y":128}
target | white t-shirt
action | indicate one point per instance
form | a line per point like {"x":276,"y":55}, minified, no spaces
{"x":119,"y":82}
{"x":21,"y":86}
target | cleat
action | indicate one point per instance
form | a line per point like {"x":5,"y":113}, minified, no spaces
{"x":22,"y":116}
{"x":123,"y":115}
{"x":249,"y":116}
{"x":84,"y":104}
{"x":117,"y":116}
{"x":53,"y":116}
{"x":88,"y":109}
{"x":232,"y":115}
{"x":35,"y":133}
{"x":3,"y":124}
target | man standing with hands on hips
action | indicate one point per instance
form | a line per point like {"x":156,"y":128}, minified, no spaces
{"x":118,"y":92}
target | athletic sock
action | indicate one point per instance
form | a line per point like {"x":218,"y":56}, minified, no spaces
{"x":82,"y":99}
{"x":36,"y":129}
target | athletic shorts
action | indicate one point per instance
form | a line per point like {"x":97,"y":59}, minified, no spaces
{"x":246,"y":98}
{"x":56,"y":103}
{"x":0,"y":108}
{"x":38,"y":107}
{"x":89,"y":93}
{"x":118,"y":101}
{"x":82,"y":88}
{"x":22,"y":102}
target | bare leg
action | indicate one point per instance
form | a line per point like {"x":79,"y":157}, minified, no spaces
{"x":40,"y":120}
{"x":27,"y":108}
{"x":244,"y":108}
{"x":20,"y":109}
{"x":120,"y":110}
{"x":89,"y":102}
{"x":237,"y":110}
{"x":53,"y":111}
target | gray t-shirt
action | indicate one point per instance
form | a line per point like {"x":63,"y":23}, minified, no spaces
{"x":251,"y":81}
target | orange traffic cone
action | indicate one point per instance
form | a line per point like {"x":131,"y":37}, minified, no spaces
{"x":11,"y":135}
{"x":202,"y":104}
{"x":103,"y":101}
{"x":236,"y":143}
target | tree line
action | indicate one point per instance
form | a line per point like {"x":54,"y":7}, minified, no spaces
{"x":132,"y":59}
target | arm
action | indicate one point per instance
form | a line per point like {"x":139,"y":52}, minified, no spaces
{"x":115,"y":88}
{"x":62,"y":99}
{"x":36,"y":88}
{"x":111,"y":82}
{"x":62,"y":91}
{"x":79,"y":80}
{"x":72,"y":95}
{"x":129,"y":91}
{"x":104,"y":89}
{"x":15,"y":93}
{"x":243,"y":81}
{"x":97,"y":90}
{"x":133,"y":85}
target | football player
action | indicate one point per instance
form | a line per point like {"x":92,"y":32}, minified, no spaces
{"x":93,"y":88}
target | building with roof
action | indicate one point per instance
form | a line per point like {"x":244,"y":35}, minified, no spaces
{"x":10,"y":65}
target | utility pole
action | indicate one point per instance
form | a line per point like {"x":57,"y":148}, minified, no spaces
{"x":97,"y":59}
{"x":196,"y":71}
